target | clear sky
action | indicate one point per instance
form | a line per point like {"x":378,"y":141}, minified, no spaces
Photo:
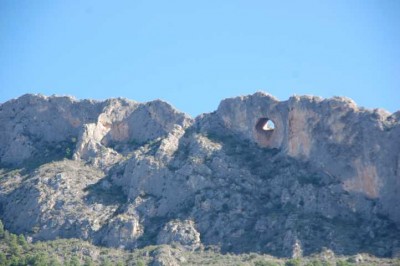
{"x":195,"y":53}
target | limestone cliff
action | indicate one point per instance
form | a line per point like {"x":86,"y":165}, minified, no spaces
{"x":256,"y":175}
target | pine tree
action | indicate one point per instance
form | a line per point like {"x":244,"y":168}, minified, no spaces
{"x":22,"y":242}
{"x":15,"y":261}
{"x":15,"y":249}
{"x":39,"y":259}
{"x":3,"y":259}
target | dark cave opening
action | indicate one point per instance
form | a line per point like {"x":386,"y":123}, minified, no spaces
{"x":264,"y":129}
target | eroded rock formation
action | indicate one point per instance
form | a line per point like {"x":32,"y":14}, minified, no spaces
{"x":257,"y":175}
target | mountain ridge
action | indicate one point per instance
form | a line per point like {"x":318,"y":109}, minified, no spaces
{"x":127,"y":174}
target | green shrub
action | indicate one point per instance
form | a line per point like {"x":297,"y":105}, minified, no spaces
{"x":106,"y":262}
{"x":68,"y":153}
{"x":318,"y":263}
{"x":39,"y":259}
{"x":265,"y":263}
{"x":140,"y":263}
{"x":314,"y":263}
{"x":343,"y":263}
{"x":88,"y":262}
{"x":22,"y":242}
{"x":75,"y":261}
{"x":293,"y":262}
{"x":15,"y":249}
{"x":54,"y":261}
{"x":16,"y":261}
{"x":3,"y":259}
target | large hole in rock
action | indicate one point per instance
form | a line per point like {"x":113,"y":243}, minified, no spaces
{"x":265,"y":127}
{"x":265,"y":124}
{"x":269,"y":126}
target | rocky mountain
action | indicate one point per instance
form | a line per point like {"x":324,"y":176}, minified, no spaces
{"x":286,"y":178}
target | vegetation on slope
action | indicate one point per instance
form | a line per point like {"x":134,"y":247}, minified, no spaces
{"x":15,"y":250}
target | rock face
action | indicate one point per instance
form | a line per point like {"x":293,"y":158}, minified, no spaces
{"x":257,"y":175}
{"x":183,"y":233}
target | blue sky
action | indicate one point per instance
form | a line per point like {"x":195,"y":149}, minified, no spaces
{"x":195,"y":53}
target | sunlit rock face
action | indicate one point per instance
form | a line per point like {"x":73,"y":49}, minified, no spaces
{"x":256,"y":175}
{"x":356,"y":145}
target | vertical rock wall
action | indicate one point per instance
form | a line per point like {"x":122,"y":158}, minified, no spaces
{"x":357,"y":146}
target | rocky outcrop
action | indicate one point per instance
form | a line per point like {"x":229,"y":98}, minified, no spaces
{"x":353,"y":144}
{"x":36,"y":128}
{"x":51,"y":202}
{"x":287,"y":178}
{"x":180,"y":232}
{"x":164,"y":256}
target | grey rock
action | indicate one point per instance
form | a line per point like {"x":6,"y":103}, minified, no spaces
{"x":257,"y":175}
{"x":163,"y":257}
{"x":122,"y":231}
{"x":180,"y":232}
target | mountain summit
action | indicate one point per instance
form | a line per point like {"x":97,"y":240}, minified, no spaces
{"x":257,"y":175}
